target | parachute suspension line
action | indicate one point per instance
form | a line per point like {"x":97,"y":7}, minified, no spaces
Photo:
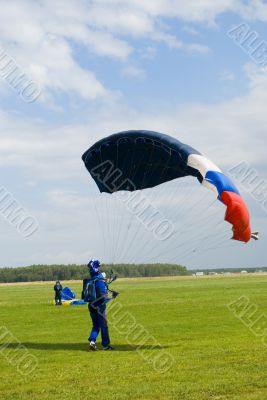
{"x":198,"y":219}
{"x":176,"y":187}
{"x":131,"y":214}
{"x":224,"y":246}
{"x":191,"y":205}
{"x":166,"y":199}
{"x":192,"y":213}
{"x":174,"y":246}
{"x":104,"y":242}
{"x":201,"y":240}
{"x":153,"y":191}
{"x":120,"y":215}
{"x":216,"y":239}
{"x":114,"y":215}
{"x":132,"y":240}
{"x":223,"y":236}
{"x":119,"y":225}
{"x":220,"y":222}
{"x":94,"y":197}
{"x":132,"y":254}
{"x":187,"y":227}
{"x":106,"y":211}
{"x":173,"y":238}
{"x":195,"y":252}
{"x":129,"y":194}
{"x":115,"y":212}
{"x":201,"y":235}
{"x":186,"y":203}
{"x":188,"y":241}
{"x":192,"y":254}
{"x":142,"y":184}
{"x":186,"y":251}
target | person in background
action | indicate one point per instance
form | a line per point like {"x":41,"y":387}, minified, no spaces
{"x":97,"y":308}
{"x":58,"y":289}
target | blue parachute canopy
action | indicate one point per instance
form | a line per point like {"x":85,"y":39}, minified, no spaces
{"x":78,"y":303}
{"x":135,"y":160}
{"x":67,"y":294}
{"x":145,"y":158}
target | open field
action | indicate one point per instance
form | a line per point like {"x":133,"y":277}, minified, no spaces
{"x":210,"y":353}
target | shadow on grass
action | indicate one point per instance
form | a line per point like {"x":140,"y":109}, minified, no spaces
{"x":80,"y":346}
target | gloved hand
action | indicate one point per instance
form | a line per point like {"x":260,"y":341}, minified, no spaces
{"x":114,"y":294}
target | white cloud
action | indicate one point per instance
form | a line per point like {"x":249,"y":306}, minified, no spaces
{"x":43,"y":35}
{"x":238,"y":123}
{"x":198,"y":48}
{"x":252,"y":10}
{"x":168,"y":39}
{"x":149,"y":53}
{"x":133,"y":72}
{"x":190,"y":30}
{"x":195,"y":10}
{"x":66,"y":200}
{"x":227,"y":76}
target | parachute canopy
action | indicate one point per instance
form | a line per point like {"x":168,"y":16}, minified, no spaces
{"x":67,"y":294}
{"x":138,"y":159}
{"x":68,"y":298}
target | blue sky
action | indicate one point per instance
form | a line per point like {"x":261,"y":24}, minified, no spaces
{"x":105,"y":66}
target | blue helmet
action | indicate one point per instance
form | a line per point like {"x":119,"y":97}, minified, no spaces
{"x":94,"y":267}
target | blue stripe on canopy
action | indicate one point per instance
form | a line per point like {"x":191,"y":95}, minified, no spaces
{"x":221,"y":182}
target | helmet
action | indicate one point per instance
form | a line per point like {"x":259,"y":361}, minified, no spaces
{"x":97,"y":263}
{"x":94,"y":267}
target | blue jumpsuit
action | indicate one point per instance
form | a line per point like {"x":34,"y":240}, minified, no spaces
{"x":98,"y":314}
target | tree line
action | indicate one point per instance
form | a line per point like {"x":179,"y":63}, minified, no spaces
{"x":35,"y":273}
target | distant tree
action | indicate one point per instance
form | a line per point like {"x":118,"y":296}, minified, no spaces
{"x":78,"y":272}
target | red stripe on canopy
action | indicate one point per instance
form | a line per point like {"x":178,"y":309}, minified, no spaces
{"x":237,"y":214}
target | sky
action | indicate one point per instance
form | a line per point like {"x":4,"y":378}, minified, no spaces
{"x":103,"y":66}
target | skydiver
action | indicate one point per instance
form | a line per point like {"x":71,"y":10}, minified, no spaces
{"x":58,"y":289}
{"x":97,"y":308}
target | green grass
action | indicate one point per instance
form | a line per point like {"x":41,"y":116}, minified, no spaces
{"x":214,"y":356}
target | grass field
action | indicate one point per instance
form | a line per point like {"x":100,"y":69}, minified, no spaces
{"x":213,"y":355}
